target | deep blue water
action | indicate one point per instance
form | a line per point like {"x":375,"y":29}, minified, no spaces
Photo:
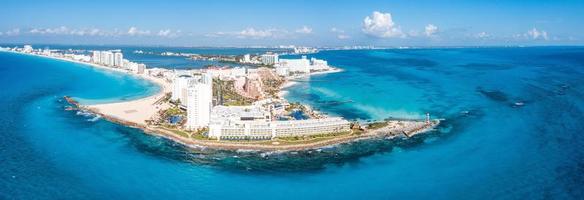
{"x":485,"y":148}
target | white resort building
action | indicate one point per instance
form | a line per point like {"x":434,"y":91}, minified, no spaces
{"x":255,"y":123}
{"x":295,"y":65}
{"x":195,"y":93}
{"x":180,"y":86}
{"x":269,"y":58}
{"x":108,"y":58}
{"x":285,"y":66}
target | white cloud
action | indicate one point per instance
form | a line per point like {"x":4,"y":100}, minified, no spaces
{"x":343,"y":37}
{"x":430,"y":30}
{"x":381,"y":25}
{"x":253,"y":33}
{"x":304,"y":30}
{"x":94,"y":32}
{"x":537,"y":34}
{"x":340,"y":33}
{"x":217,"y":34}
{"x":164,"y":33}
{"x":13,"y":32}
{"x":133,"y":31}
{"x":482,"y":35}
{"x":413,"y":33}
{"x":168,"y":33}
{"x":55,"y":31}
{"x":63,"y":30}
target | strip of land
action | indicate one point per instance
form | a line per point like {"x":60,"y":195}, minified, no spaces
{"x":145,"y":112}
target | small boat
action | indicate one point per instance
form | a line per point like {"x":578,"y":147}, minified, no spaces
{"x":518,"y":104}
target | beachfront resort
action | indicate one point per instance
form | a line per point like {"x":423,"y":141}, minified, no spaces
{"x":228,"y":104}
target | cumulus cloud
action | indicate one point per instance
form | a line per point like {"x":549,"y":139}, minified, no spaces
{"x":133,"y":31}
{"x":381,"y":25}
{"x":168,"y":33}
{"x":482,"y":35}
{"x":12,"y":32}
{"x":343,"y":37}
{"x":537,"y":34}
{"x":430,"y":30}
{"x":340,"y":33}
{"x":63,"y":30}
{"x":304,"y":30}
{"x":165,"y":32}
{"x":216,"y":34}
{"x":253,"y":33}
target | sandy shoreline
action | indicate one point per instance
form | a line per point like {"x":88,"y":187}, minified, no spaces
{"x":133,"y":111}
{"x":391,"y":131}
{"x":136,"y":113}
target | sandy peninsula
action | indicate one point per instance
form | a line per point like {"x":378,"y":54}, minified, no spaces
{"x":138,"y":113}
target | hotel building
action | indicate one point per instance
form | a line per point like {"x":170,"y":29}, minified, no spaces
{"x":295,"y":65}
{"x":255,"y":123}
{"x":108,"y":58}
{"x":118,"y":59}
{"x":269,"y":59}
{"x":303,"y":65}
{"x":195,"y":93}
{"x":179,"y":88}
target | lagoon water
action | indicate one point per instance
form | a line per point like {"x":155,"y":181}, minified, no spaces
{"x":487,"y":146}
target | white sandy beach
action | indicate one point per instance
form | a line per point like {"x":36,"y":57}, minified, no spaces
{"x":134,"y":111}
{"x":137,"y":112}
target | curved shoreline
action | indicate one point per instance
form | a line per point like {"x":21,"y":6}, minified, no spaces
{"x":268,"y":145}
{"x":135,"y":113}
{"x":105,"y":68}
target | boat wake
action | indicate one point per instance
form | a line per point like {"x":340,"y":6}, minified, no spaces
{"x":94,"y":119}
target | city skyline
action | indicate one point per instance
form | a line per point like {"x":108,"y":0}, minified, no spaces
{"x":263,"y":23}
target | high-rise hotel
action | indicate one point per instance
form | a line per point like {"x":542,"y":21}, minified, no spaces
{"x":195,"y":92}
{"x":108,"y":58}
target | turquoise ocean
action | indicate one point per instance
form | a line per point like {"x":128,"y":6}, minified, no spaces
{"x":513,"y":129}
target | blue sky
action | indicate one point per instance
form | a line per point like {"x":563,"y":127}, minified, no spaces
{"x":312,"y":23}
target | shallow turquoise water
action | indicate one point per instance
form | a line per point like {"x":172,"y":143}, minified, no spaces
{"x":486,"y":147}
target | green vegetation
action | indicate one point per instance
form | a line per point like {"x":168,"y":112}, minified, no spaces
{"x":166,"y":114}
{"x":197,"y":135}
{"x":224,"y":92}
{"x":295,"y":106}
{"x":358,"y":131}
{"x":174,"y":111}
{"x":178,"y":132}
{"x":312,"y":137}
{"x":376,"y":125}
{"x":272,"y":86}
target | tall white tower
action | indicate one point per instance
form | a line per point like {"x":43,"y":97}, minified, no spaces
{"x":118,"y":59}
{"x":199,"y":102}
{"x":179,"y":88}
{"x":96,"y":57}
